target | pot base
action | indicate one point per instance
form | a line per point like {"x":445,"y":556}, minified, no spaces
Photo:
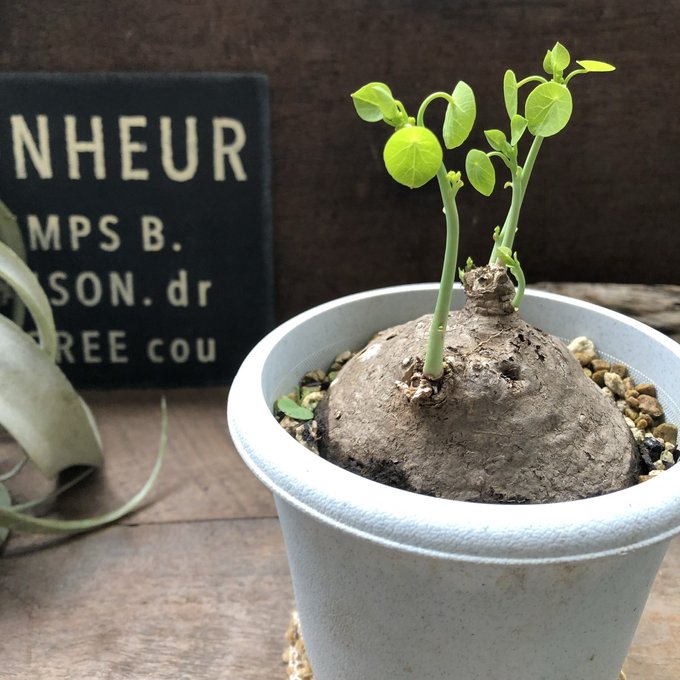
{"x":295,"y":654}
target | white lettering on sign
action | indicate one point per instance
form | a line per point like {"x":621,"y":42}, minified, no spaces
{"x":32,"y":147}
{"x":191,"y":150}
{"x":92,"y":347}
{"x":91,"y":289}
{"x":180,"y":350}
{"x":128,"y":147}
{"x":22,"y":140}
{"x":75,"y":146}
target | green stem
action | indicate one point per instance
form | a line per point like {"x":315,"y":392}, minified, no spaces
{"x":529,"y":163}
{"x":427,"y":101}
{"x":577,"y":72}
{"x":521,"y":285}
{"x":531,"y":79}
{"x":519,"y":187}
{"x":434,"y":356}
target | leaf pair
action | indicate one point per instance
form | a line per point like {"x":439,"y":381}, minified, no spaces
{"x":374,"y":102}
{"x":413,"y":154}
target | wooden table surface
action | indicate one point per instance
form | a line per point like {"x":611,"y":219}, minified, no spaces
{"x":194,"y":585}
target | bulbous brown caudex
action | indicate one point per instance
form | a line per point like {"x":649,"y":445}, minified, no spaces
{"x":513,"y":419}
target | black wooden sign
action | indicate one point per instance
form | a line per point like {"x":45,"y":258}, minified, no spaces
{"x":144,"y":200}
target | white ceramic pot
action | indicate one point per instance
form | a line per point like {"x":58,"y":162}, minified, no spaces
{"x":391,"y":585}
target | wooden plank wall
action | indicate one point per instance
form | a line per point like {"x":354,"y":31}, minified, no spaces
{"x":603,"y":205}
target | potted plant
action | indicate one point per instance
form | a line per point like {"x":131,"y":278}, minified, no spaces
{"x":546,"y":575}
{"x":39,"y":407}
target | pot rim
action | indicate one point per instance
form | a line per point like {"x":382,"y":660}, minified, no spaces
{"x":607,"y":525}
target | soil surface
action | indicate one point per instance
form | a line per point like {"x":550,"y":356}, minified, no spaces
{"x":514,"y":419}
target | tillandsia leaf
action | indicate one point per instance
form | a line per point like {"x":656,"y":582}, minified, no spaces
{"x":40,"y":408}
{"x":496,"y":139}
{"x":510,"y":92}
{"x":560,"y":57}
{"x":5,"y":502}
{"x":18,"y":521}
{"x":10,"y":235}
{"x":460,"y":116}
{"x":413,"y":155}
{"x":596,"y":66}
{"x":293,"y":410}
{"x":518,"y":124}
{"x":15,"y":470}
{"x":548,"y":109}
{"x":480,"y":171}
{"x":374,"y":102}
{"x":24,"y":282}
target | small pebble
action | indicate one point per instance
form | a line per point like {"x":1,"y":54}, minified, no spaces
{"x":646,"y":388}
{"x":649,"y":405}
{"x":587,"y":372}
{"x":631,"y":414}
{"x":600,"y":365}
{"x":668,"y":432}
{"x":584,"y":358}
{"x":643,"y":422}
{"x":615,"y":383}
{"x":598,"y":377}
{"x":631,"y":400}
{"x":619,"y":369}
{"x":582,"y":344}
{"x":629,"y":383}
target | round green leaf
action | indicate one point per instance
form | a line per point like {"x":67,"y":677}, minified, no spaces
{"x":480,"y":171}
{"x":460,"y":117}
{"x":596,"y":66}
{"x":510,"y":92}
{"x":548,"y":109}
{"x":413,"y":156}
{"x":288,"y":407}
{"x":374,"y":102}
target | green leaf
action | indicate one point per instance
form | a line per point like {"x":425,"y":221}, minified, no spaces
{"x":518,"y":124}
{"x":480,"y":171}
{"x":496,"y":139}
{"x":288,"y":407}
{"x":548,"y":109}
{"x":18,"y":275}
{"x":596,"y":66}
{"x":413,"y":156}
{"x":505,"y":255}
{"x":374,"y":102}
{"x":5,"y":502}
{"x":460,"y":117}
{"x":510,"y":92}
{"x":548,"y":62}
{"x":560,"y":57}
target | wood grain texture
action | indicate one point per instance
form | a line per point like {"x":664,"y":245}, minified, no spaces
{"x":657,"y":306}
{"x":602,"y":205}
